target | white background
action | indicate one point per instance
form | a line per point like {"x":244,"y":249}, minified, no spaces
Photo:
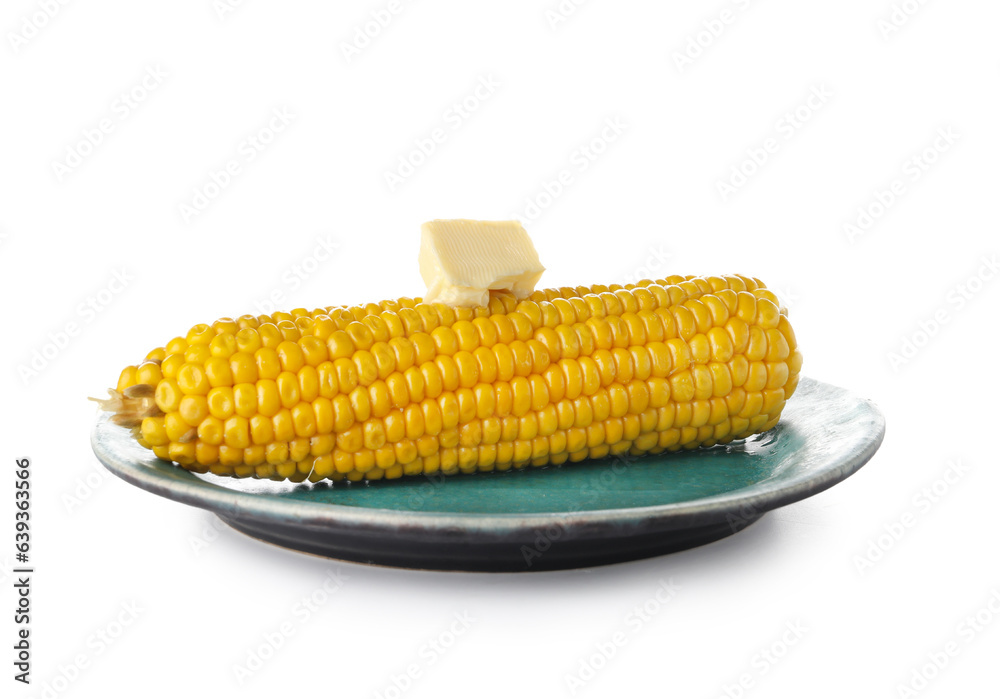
{"x":651,"y":196}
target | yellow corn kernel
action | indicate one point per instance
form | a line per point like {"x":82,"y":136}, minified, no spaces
{"x":600,"y":405}
{"x":739,"y":369}
{"x":146,"y":373}
{"x":168,"y":395}
{"x":197,"y":354}
{"x":308,"y":380}
{"x":261,"y":430}
{"x":757,"y":346}
{"x":237,"y":432}
{"x":395,"y":426}
{"x":721,"y":379}
{"x":287,"y":385}
{"x":243,"y":368}
{"x":304,"y":419}
{"x":284,"y":428}
{"x":154,"y":432}
{"x":192,"y":379}
{"x":351,"y":439}
{"x":184,"y":454}
{"x":218,"y":372}
{"x":171,"y":364}
{"x":322,"y":444}
{"x":268,"y":363}
{"x":268,"y":398}
{"x":756,"y":377}
{"x":777,"y":346}
{"x":193,"y":409}
{"x":221,"y":402}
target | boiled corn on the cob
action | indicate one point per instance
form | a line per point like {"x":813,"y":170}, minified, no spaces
{"x":403,"y":388}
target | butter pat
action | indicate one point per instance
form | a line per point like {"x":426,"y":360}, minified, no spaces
{"x":461,"y":260}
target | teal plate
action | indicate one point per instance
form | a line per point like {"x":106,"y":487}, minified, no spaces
{"x":574,"y":515}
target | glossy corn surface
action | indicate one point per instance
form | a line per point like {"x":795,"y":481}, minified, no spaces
{"x":405,"y":388}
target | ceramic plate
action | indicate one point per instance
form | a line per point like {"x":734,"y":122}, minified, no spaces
{"x":569,"y":516}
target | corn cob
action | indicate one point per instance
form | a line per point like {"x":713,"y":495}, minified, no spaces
{"x":404,"y":388}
